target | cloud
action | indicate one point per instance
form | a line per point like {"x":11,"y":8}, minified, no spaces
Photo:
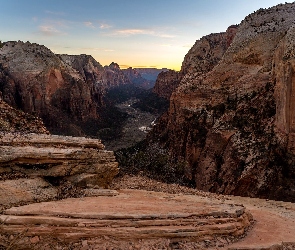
{"x":97,"y":49}
{"x":133,"y":32}
{"x":49,"y":30}
{"x":89,"y":24}
{"x":104,"y":26}
{"x":144,"y":67}
{"x":51,"y":27}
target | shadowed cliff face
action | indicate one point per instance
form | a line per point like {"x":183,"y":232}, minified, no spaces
{"x":201,"y":58}
{"x":231,"y":117}
{"x":65,"y":91}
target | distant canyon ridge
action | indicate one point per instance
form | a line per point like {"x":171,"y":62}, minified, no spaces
{"x":231,"y":108}
{"x":66,"y":91}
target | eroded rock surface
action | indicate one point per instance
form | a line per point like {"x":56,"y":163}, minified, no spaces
{"x":201,"y":58}
{"x":13,"y":120}
{"x":32,"y":163}
{"x":231,"y":117}
{"x":130,"y":216}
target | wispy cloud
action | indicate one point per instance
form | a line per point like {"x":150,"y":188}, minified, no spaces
{"x":104,"y":26}
{"x":97,"y":49}
{"x":49,"y":30}
{"x":89,"y":25}
{"x":53,"y":27}
{"x":143,"y":67}
{"x":133,"y":32}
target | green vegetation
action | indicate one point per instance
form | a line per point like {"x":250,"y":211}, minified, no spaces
{"x":1,"y":44}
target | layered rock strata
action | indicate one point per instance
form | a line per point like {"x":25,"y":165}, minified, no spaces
{"x":231,"y":117}
{"x":50,"y":160}
{"x":134,"y":215}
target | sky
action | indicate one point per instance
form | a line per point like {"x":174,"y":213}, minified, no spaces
{"x":132,"y":33}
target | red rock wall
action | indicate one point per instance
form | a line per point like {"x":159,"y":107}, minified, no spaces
{"x":231,"y":117}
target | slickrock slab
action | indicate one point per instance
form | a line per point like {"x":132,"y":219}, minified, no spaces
{"x":128,"y":216}
{"x":20,"y":191}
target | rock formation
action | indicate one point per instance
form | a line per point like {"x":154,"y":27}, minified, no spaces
{"x":65,"y":91}
{"x":201,"y":58}
{"x":13,"y":120}
{"x":114,"y":76}
{"x":166,"y":83}
{"x":134,"y":215}
{"x":230,"y":119}
{"x":37,"y":161}
{"x":39,"y":82}
{"x":135,"y":77}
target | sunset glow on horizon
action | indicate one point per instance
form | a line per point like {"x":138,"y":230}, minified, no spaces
{"x":137,"y":34}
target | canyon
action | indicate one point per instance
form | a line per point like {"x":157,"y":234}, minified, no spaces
{"x":66,"y":91}
{"x":228,"y":135}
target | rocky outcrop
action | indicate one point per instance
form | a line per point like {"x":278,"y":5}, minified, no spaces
{"x":201,"y":58}
{"x":65,"y":91}
{"x":166,"y":83}
{"x":13,"y":120}
{"x":134,"y":216}
{"x":48,"y":160}
{"x":39,"y":82}
{"x":208,"y":51}
{"x":135,"y":77}
{"x":230,"y":119}
{"x":113,"y":76}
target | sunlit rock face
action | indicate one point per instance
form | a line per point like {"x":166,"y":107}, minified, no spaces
{"x":231,"y":117}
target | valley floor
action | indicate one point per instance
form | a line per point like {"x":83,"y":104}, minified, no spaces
{"x":134,"y":130}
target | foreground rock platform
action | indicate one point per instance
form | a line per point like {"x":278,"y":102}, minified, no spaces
{"x":131,"y":215}
{"x":38,"y":167}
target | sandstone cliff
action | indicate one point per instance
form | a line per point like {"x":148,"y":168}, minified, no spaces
{"x":231,"y":117}
{"x":166,"y":83}
{"x":65,"y":91}
{"x":37,"y":81}
{"x":135,"y":77}
{"x":113,"y":76}
{"x":201,"y":58}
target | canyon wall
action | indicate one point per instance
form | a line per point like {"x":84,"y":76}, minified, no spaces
{"x":65,"y":91}
{"x":231,"y":117}
{"x":201,"y":58}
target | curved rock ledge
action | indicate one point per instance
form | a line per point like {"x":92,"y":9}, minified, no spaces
{"x":128,"y":216}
